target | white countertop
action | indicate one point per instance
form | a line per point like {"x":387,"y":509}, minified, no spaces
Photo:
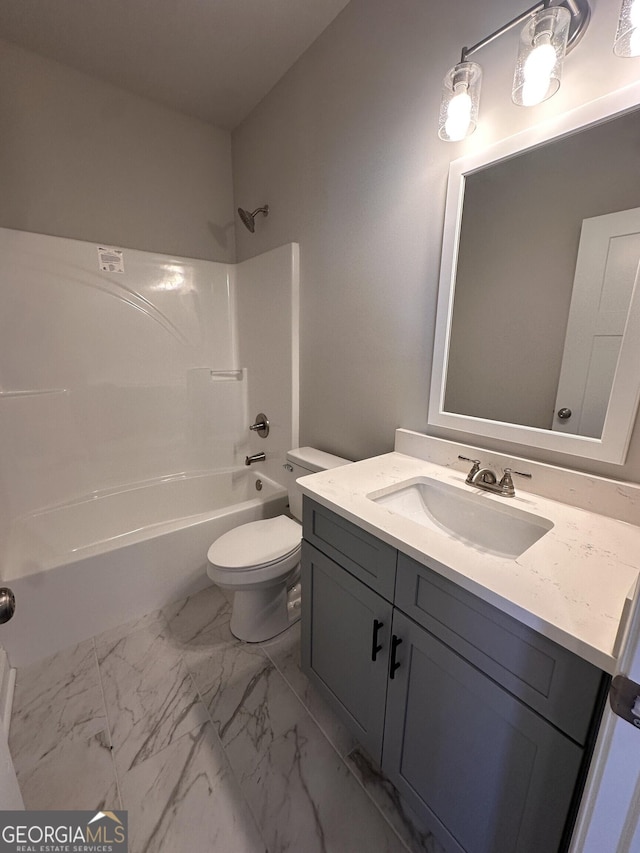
{"x":571,"y":585}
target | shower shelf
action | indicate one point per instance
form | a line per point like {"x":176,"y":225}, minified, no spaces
{"x":231,"y":374}
{"x":32,"y":392}
{"x":226,"y":375}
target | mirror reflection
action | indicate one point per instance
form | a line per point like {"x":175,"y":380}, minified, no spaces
{"x":547,"y":264}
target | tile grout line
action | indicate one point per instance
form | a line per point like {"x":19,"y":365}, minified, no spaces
{"x":106,"y":716}
{"x":228,"y":762}
{"x":164,"y":629}
{"x":402,"y":841}
{"x":336,"y":750}
{"x":262,"y":647}
{"x":302,"y":702}
{"x":218,"y":738}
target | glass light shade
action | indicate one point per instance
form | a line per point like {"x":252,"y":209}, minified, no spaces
{"x":627,"y":41}
{"x":460,"y":101}
{"x":543,"y":44}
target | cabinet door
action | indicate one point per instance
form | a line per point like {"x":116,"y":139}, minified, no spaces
{"x":346,"y":629}
{"x":486,"y":773}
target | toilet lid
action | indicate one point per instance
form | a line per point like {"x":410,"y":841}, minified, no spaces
{"x":256,"y":543}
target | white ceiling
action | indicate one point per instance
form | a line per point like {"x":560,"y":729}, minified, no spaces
{"x":213,"y":59}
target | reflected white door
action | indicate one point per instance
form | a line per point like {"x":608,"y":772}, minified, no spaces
{"x":606,"y":273}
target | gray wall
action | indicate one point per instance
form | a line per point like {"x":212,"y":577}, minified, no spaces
{"x":86,"y":160}
{"x":345,"y":151}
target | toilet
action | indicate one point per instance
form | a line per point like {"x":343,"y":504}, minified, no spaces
{"x":260,"y":561}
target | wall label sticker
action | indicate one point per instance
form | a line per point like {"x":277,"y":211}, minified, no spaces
{"x":110,"y":260}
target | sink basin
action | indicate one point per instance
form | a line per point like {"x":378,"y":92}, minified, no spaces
{"x":498,"y":529}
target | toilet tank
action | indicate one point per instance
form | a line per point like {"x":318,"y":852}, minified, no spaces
{"x":303,"y":461}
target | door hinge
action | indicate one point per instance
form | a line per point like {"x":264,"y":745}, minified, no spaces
{"x":624,"y":698}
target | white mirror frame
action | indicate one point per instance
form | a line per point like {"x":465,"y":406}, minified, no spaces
{"x":625,"y":393}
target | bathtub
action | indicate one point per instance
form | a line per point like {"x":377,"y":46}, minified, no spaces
{"x":89,"y":565}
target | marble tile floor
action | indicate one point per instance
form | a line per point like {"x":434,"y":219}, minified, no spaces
{"x":208,"y":743}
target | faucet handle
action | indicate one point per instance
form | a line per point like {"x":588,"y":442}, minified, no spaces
{"x":468,"y":459}
{"x":519,"y":473}
{"x":506,"y":483}
{"x":473,"y":471}
{"x":261,"y":425}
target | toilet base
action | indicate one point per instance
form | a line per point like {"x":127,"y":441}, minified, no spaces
{"x":260,"y":614}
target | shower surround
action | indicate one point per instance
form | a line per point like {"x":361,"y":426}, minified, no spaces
{"x":127,"y":383}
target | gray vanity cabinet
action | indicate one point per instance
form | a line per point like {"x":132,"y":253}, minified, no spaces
{"x":492,"y":774}
{"x":349,"y":655}
{"x":483,"y":725}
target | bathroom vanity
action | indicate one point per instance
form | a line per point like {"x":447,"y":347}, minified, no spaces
{"x":476,"y":679}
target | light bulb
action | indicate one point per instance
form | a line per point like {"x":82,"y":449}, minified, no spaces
{"x":459,"y":104}
{"x":537,"y":73}
{"x":458,"y":116}
{"x":543,"y":44}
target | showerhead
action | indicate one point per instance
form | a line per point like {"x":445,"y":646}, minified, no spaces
{"x":248,"y":219}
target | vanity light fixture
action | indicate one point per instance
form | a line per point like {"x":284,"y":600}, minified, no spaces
{"x":627,"y":42}
{"x":551,"y":28}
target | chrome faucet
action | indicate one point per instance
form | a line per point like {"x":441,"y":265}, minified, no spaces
{"x":255,"y":457}
{"x":485,"y":478}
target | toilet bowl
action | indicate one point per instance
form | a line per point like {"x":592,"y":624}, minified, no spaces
{"x":260,"y":561}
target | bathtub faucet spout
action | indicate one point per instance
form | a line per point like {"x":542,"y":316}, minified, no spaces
{"x":256,"y":457}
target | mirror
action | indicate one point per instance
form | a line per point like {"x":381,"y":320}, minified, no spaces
{"x":538,"y":325}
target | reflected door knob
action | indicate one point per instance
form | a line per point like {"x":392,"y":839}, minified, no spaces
{"x":7,"y":604}
{"x":564,"y":414}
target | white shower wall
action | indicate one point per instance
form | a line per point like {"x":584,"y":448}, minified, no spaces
{"x":267,"y":305}
{"x":111,"y":378}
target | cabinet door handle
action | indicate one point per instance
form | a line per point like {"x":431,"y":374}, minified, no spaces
{"x":375,"y":646}
{"x":395,"y":642}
